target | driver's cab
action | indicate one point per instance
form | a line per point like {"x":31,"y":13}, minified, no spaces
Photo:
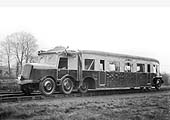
{"x":67,"y":62}
{"x":60,"y":60}
{"x":48,"y":58}
{"x":63,"y":63}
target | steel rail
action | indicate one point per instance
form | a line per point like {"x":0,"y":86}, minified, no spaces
{"x":57,"y":95}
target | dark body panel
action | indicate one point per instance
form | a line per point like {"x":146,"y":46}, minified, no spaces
{"x":128,"y":79}
{"x":141,"y":79}
{"x":37,"y":74}
{"x":62,"y":73}
{"x":72,"y":73}
{"x":102,"y":77}
{"x":121,"y":79}
{"x":91,"y":74}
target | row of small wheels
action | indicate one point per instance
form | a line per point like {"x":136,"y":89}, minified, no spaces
{"x":47,"y":86}
{"x":157,"y":85}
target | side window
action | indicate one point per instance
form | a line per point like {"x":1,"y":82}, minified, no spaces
{"x":148,"y":68}
{"x":128,"y":67}
{"x":114,"y":66}
{"x":102,"y":65}
{"x":154,"y":69}
{"x":89,"y":64}
{"x":140,"y":67}
{"x":63,"y":63}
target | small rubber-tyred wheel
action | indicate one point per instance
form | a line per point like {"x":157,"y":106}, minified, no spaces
{"x":158,"y":84}
{"x":84,"y":87}
{"x":66,"y":86}
{"x":47,"y":86}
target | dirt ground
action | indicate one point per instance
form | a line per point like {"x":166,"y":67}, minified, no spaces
{"x":138,"y":106}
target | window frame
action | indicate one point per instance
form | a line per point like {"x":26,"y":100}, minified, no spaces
{"x":116,"y":65}
{"x":141,"y":65}
{"x":131,"y":67}
{"x":154,"y":70}
{"x":59,"y":63}
{"x":90,"y":66}
{"x":102,"y":62}
{"x":149,"y":68}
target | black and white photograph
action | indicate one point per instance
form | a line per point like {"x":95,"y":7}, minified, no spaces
{"x":84,"y":60}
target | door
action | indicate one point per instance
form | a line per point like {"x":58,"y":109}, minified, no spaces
{"x":102,"y":73}
{"x":102,"y":78}
{"x":149,"y":73}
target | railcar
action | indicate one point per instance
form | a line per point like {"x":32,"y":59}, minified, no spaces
{"x":68,"y":70}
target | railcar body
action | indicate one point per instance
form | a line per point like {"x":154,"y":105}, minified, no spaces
{"x":66,"y":70}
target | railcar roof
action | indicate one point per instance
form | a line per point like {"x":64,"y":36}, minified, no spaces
{"x":117,"y":55}
{"x":93,"y":52}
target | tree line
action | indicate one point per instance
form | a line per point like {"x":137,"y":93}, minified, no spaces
{"x":18,"y":48}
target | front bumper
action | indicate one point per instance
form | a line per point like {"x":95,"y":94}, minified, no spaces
{"x":22,"y":82}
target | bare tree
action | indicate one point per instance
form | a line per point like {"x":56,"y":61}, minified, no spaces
{"x":6,"y":50}
{"x":23,"y":46}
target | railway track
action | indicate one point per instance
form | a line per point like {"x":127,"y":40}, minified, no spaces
{"x":19,"y":96}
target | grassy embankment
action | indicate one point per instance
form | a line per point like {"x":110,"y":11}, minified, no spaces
{"x":144,"y":106}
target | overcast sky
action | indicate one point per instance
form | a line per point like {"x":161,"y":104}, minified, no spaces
{"x":142,"y":31}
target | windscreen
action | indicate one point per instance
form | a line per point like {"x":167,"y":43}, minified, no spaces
{"x":48,"y":59}
{"x":63,"y":63}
